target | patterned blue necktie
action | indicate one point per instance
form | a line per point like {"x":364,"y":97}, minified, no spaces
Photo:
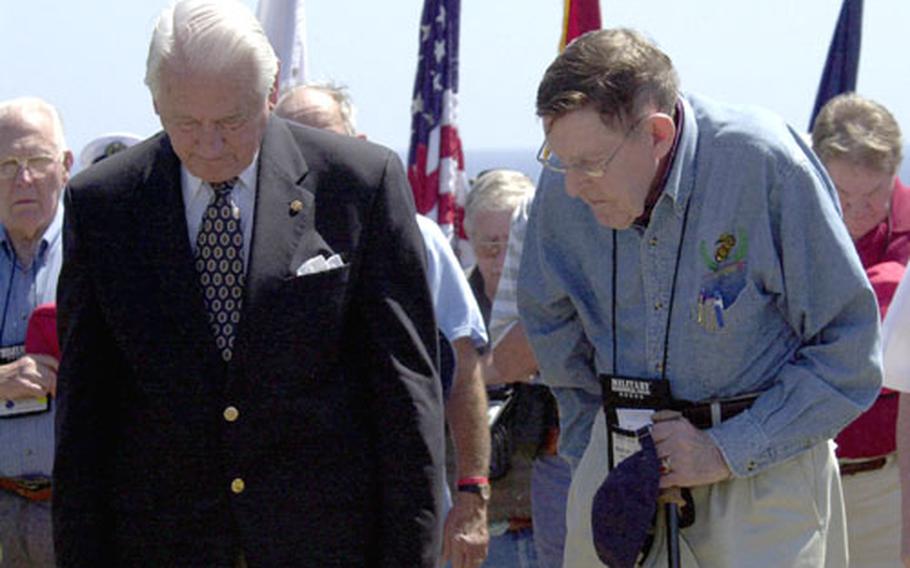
{"x":219,"y":262}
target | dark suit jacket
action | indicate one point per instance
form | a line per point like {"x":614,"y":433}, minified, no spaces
{"x":339,"y":436}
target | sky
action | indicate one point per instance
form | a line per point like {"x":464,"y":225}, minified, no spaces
{"x":87,"y":57}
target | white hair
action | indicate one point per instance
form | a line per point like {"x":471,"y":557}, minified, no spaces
{"x":33,"y":109}
{"x":210,"y":36}
{"x":496,"y":190}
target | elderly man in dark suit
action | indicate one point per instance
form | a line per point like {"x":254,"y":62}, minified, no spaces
{"x":247,"y":333}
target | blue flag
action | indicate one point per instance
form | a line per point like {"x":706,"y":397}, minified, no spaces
{"x":842,"y":64}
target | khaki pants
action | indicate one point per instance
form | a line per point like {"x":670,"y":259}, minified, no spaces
{"x":789,"y":515}
{"x":25,"y":532}
{"x":872,"y":500}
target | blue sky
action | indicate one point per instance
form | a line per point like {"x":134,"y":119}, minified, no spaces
{"x":88,"y":56}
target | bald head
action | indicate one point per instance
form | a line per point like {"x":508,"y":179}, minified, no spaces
{"x":325,"y":107}
{"x":34,"y":166}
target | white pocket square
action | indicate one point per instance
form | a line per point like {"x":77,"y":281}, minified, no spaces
{"x":319,"y":264}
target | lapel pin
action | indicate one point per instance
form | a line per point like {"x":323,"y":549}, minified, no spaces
{"x":296,"y":207}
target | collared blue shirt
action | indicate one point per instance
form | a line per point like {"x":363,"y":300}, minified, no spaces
{"x":770,"y":295}
{"x":457,"y":312}
{"x":27,"y":441}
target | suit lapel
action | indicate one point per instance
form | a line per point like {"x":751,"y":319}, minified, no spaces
{"x":170,"y":254}
{"x":283,"y":216}
{"x":284,"y":208}
{"x":283,"y":226}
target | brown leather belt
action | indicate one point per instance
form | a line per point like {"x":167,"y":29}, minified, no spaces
{"x":852,"y":468}
{"x":709,"y":414}
{"x":519,"y":524}
{"x":32,"y":488}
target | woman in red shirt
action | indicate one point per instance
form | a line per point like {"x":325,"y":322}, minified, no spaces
{"x":859,"y":143}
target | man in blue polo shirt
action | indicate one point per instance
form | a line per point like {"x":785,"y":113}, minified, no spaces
{"x":34,"y":167}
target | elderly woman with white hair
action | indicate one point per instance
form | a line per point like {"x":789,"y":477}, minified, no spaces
{"x":488,"y":212}
{"x":859,"y":142}
{"x":520,"y":441}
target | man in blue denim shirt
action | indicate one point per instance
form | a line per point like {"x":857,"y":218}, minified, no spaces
{"x":700,"y":243}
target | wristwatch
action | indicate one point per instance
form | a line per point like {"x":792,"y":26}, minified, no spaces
{"x":482,"y":490}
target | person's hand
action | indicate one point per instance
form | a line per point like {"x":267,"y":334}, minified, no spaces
{"x":465,"y":538}
{"x":30,"y":376}
{"x":688,"y":456}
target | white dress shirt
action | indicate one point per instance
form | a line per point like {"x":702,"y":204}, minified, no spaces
{"x":197,"y":195}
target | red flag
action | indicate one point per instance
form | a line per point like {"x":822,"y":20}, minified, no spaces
{"x":436,"y":158}
{"x":579,"y":16}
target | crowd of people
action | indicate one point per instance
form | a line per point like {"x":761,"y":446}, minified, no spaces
{"x":667,"y":351}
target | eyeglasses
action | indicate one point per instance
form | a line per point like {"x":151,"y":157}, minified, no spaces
{"x":39,"y":166}
{"x":488,"y":249}
{"x":546,"y":157}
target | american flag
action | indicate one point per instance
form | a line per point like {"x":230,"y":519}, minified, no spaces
{"x":435,"y":157}
{"x":579,"y":16}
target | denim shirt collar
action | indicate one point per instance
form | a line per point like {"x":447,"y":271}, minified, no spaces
{"x":681,"y":177}
{"x":52,"y":234}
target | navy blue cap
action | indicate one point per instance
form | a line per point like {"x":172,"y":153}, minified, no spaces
{"x":624,"y":506}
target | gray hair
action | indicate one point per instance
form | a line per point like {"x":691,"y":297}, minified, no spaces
{"x":338,"y":93}
{"x":496,"y":190}
{"x":859,"y":131}
{"x":212,"y":36}
{"x":25,"y":108}
{"x":619,"y":71}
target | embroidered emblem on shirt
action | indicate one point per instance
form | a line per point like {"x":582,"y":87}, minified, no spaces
{"x":725,"y":279}
{"x":725,"y":244}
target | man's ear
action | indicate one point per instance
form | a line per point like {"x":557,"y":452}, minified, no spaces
{"x":67,"y":165}
{"x":662,"y":130}
{"x":273,"y":94}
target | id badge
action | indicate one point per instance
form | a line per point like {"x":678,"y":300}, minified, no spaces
{"x":624,"y":444}
{"x":628,"y":406}
{"x":13,"y":408}
{"x":11,"y":353}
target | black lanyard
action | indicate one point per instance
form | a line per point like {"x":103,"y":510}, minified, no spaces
{"x":666,"y":351}
{"x":14,"y":266}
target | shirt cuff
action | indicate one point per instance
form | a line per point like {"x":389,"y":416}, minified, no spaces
{"x":744,"y":445}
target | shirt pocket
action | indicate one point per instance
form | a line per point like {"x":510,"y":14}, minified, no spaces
{"x":731,"y":343}
{"x":312,"y":303}
{"x":726,"y":300}
{"x":745,"y":306}
{"x":299,"y":330}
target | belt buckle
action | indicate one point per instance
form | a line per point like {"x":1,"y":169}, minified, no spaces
{"x":716,"y":413}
